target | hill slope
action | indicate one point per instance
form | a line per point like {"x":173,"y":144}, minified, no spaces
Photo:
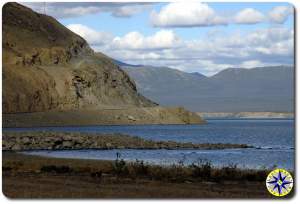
{"x":231,"y":90}
{"x":46,"y":67}
{"x":52,"y":77}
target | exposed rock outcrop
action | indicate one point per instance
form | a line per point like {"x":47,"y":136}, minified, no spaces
{"x":46,"y":67}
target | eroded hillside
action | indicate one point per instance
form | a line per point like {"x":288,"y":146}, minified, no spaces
{"x":48,"y":67}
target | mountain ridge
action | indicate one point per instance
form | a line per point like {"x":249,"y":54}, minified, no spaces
{"x":258,"y":89}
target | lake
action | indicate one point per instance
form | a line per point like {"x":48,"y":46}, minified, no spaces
{"x":273,"y":140}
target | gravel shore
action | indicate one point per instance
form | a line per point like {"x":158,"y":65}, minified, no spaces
{"x":19,"y":141}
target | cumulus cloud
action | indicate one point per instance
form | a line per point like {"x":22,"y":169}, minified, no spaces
{"x":260,"y":47}
{"x":78,"y":9}
{"x":181,"y":14}
{"x":92,"y":36}
{"x":249,"y":16}
{"x":279,"y":14}
{"x":162,"y":39}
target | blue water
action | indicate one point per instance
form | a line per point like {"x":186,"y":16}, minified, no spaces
{"x":273,"y":141}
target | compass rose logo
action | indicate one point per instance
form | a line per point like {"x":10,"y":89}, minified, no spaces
{"x":279,"y":182}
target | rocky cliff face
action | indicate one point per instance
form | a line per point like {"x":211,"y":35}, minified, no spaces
{"x":48,"y":67}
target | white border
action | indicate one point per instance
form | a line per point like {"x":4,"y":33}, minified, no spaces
{"x":295,"y":199}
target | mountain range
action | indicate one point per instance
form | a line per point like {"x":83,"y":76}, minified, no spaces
{"x":231,"y":90}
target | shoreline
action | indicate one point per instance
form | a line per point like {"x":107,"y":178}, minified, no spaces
{"x":247,"y":115}
{"x":81,"y":178}
{"x":122,"y":116}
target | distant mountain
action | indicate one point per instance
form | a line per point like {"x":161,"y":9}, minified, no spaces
{"x":162,"y":80}
{"x":123,"y":64}
{"x":231,"y":90}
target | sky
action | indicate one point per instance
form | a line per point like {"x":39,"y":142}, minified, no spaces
{"x":190,"y":36}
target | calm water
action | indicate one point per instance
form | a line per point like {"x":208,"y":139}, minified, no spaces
{"x":273,"y":139}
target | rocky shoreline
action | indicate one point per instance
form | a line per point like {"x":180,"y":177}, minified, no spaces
{"x":21,"y":141}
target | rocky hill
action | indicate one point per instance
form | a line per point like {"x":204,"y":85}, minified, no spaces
{"x":46,"y":66}
{"x":49,"y":69}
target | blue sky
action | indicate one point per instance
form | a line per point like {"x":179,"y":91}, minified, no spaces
{"x":206,"y":37}
{"x":140,"y":22}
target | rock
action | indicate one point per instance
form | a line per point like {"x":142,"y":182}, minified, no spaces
{"x":48,"y":139}
{"x":16,"y":147}
{"x":163,"y":146}
{"x":131,"y":118}
{"x":67,"y":137}
{"x":79,"y":140}
{"x":26,"y":140}
{"x":108,"y":145}
{"x":156,"y":146}
{"x":67,"y":144}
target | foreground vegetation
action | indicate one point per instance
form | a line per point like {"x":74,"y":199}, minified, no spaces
{"x":34,"y":177}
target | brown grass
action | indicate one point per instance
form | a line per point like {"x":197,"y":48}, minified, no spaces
{"x":38,"y":177}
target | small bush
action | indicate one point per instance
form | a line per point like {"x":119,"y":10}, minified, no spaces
{"x":138,"y":168}
{"x":177,"y":173}
{"x":159,"y":173}
{"x":6,"y":168}
{"x":56,"y":169}
{"x":201,"y":169}
{"x":119,"y":167}
{"x":255,"y":175}
{"x":96,"y":174}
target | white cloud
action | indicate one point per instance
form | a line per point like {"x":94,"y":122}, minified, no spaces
{"x":277,"y":41}
{"x":78,"y":9}
{"x":279,"y":14}
{"x":162,"y":39}
{"x":93,"y":37}
{"x":251,"y":63}
{"x":182,"y":14}
{"x":261,"y":47}
{"x":129,"y":10}
{"x":249,"y":16}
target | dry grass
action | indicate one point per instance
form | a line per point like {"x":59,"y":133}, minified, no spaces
{"x":38,"y":177}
